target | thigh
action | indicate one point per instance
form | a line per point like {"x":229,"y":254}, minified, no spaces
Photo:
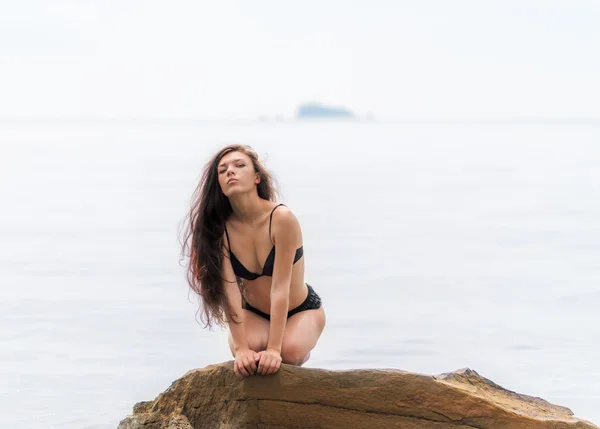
{"x":303,"y":329}
{"x":257,"y":331}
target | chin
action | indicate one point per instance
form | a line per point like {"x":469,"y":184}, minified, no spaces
{"x":235,"y":190}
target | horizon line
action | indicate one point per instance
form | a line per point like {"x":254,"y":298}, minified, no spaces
{"x":264,"y":118}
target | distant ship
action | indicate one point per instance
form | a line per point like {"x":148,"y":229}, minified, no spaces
{"x":315,"y":111}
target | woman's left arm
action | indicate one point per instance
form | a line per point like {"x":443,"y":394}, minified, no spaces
{"x":287,"y":237}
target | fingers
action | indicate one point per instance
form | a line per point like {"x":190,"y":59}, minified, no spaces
{"x":244,"y":371}
{"x":245,"y":365}
{"x":252,"y":363}
{"x":273,"y":367}
{"x":256,"y":363}
{"x":267,"y":368}
{"x":268,"y":365}
{"x":249,"y":365}
{"x":261,"y":364}
{"x":242,"y":366}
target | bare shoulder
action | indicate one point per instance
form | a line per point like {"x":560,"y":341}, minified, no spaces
{"x":285,"y":223}
{"x":283,"y":216}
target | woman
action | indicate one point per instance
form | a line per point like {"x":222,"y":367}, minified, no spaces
{"x":247,"y":265}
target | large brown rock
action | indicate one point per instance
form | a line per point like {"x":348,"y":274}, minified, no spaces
{"x":294,"y":397}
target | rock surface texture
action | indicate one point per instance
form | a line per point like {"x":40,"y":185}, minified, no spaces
{"x":294,"y":397}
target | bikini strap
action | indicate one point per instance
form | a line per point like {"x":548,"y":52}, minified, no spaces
{"x":271,"y":218}
{"x":228,"y":241}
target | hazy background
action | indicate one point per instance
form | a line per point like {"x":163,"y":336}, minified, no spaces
{"x":227,"y":59}
{"x":458,"y":229}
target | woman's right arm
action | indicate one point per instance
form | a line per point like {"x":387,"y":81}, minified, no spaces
{"x":234,"y":298}
{"x":245,"y":362}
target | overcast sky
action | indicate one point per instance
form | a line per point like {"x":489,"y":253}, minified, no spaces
{"x":228,"y":58}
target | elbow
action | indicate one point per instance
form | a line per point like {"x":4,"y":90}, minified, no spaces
{"x":233,"y":314}
{"x":234,"y":319}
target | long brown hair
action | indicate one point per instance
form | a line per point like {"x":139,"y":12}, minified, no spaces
{"x":203,"y":235}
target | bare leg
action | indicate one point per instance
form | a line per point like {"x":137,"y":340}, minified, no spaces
{"x":257,"y":332}
{"x":302,"y":332}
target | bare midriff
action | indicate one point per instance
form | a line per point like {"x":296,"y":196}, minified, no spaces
{"x":257,"y":292}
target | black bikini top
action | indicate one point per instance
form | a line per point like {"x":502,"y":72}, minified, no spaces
{"x":243,"y":272}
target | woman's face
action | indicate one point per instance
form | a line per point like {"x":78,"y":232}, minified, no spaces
{"x":236,"y":174}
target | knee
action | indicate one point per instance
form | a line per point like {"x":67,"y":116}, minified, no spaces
{"x":256,"y":342}
{"x":294,"y":353}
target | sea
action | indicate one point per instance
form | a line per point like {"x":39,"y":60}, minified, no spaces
{"x":435,"y":246}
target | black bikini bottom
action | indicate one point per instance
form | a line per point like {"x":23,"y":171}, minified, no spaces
{"x":312,"y":302}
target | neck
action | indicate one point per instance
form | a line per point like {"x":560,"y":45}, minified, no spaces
{"x":247,"y":207}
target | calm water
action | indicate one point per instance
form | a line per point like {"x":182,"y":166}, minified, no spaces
{"x":434,"y":247}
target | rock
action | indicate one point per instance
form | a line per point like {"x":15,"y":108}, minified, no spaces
{"x":295,"y":397}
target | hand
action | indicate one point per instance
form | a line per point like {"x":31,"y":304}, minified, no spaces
{"x":245,"y":362}
{"x":269,"y":362}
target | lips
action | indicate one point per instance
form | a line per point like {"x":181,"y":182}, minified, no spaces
{"x":231,"y":181}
